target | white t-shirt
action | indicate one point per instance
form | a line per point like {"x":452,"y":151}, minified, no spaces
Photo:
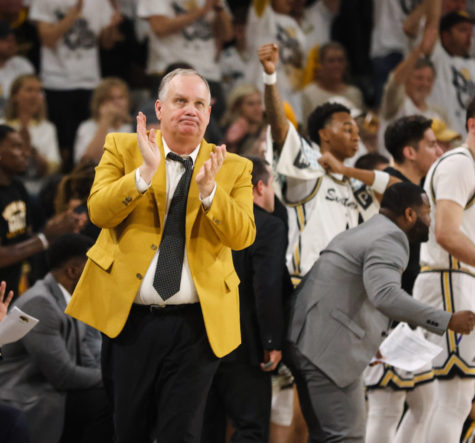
{"x":452,"y":177}
{"x":73,"y":63}
{"x":284,"y":30}
{"x":195,"y":44}
{"x":316,"y":25}
{"x":454,"y":86}
{"x":85,"y":134}
{"x":388,"y":20}
{"x":13,"y":68}
{"x":234,"y":69}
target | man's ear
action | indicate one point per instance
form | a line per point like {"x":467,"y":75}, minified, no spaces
{"x":410,"y":215}
{"x":323,"y":134}
{"x":259,"y":187}
{"x":158,"y":109}
{"x":409,"y":152}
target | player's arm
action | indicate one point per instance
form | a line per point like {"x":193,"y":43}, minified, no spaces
{"x":269,"y":57}
{"x":378,"y":180}
{"x":448,"y":233}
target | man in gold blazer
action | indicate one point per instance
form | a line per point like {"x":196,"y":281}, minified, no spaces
{"x":160,"y":353}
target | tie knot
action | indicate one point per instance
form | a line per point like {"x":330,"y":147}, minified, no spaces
{"x":186,"y":162}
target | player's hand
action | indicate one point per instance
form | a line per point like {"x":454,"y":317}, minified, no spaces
{"x":148,"y":148}
{"x":269,"y":56}
{"x":331,"y":164}
{"x":462,"y":322}
{"x":207,"y":173}
{"x":4,"y":302}
{"x":271,"y":360}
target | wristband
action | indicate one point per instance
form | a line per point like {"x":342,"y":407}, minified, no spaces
{"x":381,"y":180}
{"x":269,"y":79}
{"x":43,"y":240}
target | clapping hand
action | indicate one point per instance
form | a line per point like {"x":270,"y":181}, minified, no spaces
{"x":207,"y":173}
{"x":148,"y":148}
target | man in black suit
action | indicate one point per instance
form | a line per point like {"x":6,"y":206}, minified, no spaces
{"x":242,"y":388}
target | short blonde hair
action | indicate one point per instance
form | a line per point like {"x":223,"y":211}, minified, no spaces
{"x":235,"y":100}
{"x":102,"y":93}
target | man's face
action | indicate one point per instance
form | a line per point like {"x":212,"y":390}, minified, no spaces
{"x":334,"y":64}
{"x":7,"y":46}
{"x":458,"y":39}
{"x":428,"y":151}
{"x":419,"y":232}
{"x":184,"y":113}
{"x":419,"y":84}
{"x":341,"y":136}
{"x":269,"y":194}
{"x":13,"y":154}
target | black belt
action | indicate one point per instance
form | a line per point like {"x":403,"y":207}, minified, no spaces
{"x":163,"y":309}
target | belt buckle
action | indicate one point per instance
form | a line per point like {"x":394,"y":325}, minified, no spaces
{"x":156,"y":307}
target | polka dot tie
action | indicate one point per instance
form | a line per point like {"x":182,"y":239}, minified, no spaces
{"x":172,"y":247}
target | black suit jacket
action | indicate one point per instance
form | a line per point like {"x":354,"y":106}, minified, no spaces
{"x":261,"y":269}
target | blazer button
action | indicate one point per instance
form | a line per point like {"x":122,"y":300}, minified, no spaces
{"x":154,"y":247}
{"x":139,"y":276}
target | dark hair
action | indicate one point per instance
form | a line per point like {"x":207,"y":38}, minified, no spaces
{"x":321,"y":116}
{"x":371,"y":161}
{"x":4,"y":131}
{"x":66,"y":247}
{"x":259,"y":170}
{"x":328,"y":47}
{"x":400,"y":196}
{"x":470,"y":112}
{"x":405,"y":131}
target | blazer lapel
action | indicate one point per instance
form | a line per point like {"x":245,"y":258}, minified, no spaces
{"x":194,"y":203}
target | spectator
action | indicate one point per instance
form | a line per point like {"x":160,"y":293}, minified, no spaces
{"x":407,"y":90}
{"x":11,"y":65}
{"x":50,"y":373}
{"x":330,"y":81}
{"x":445,"y":136}
{"x":70,"y":33}
{"x":16,"y":241}
{"x":271,"y":21}
{"x":192,"y":32}
{"x":454,"y":85}
{"x":235,"y":57}
{"x":26,"y":112}
{"x":316,"y":22}
{"x":243,"y":120}
{"x":371,"y":161}
{"x":389,"y":40}
{"x":110,"y":112}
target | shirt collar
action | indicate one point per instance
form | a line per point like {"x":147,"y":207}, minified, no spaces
{"x":192,"y":155}
{"x":66,"y":294}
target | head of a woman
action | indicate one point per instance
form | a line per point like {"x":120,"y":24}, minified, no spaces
{"x":26,"y":98}
{"x":245,"y":101}
{"x":111,"y":90}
